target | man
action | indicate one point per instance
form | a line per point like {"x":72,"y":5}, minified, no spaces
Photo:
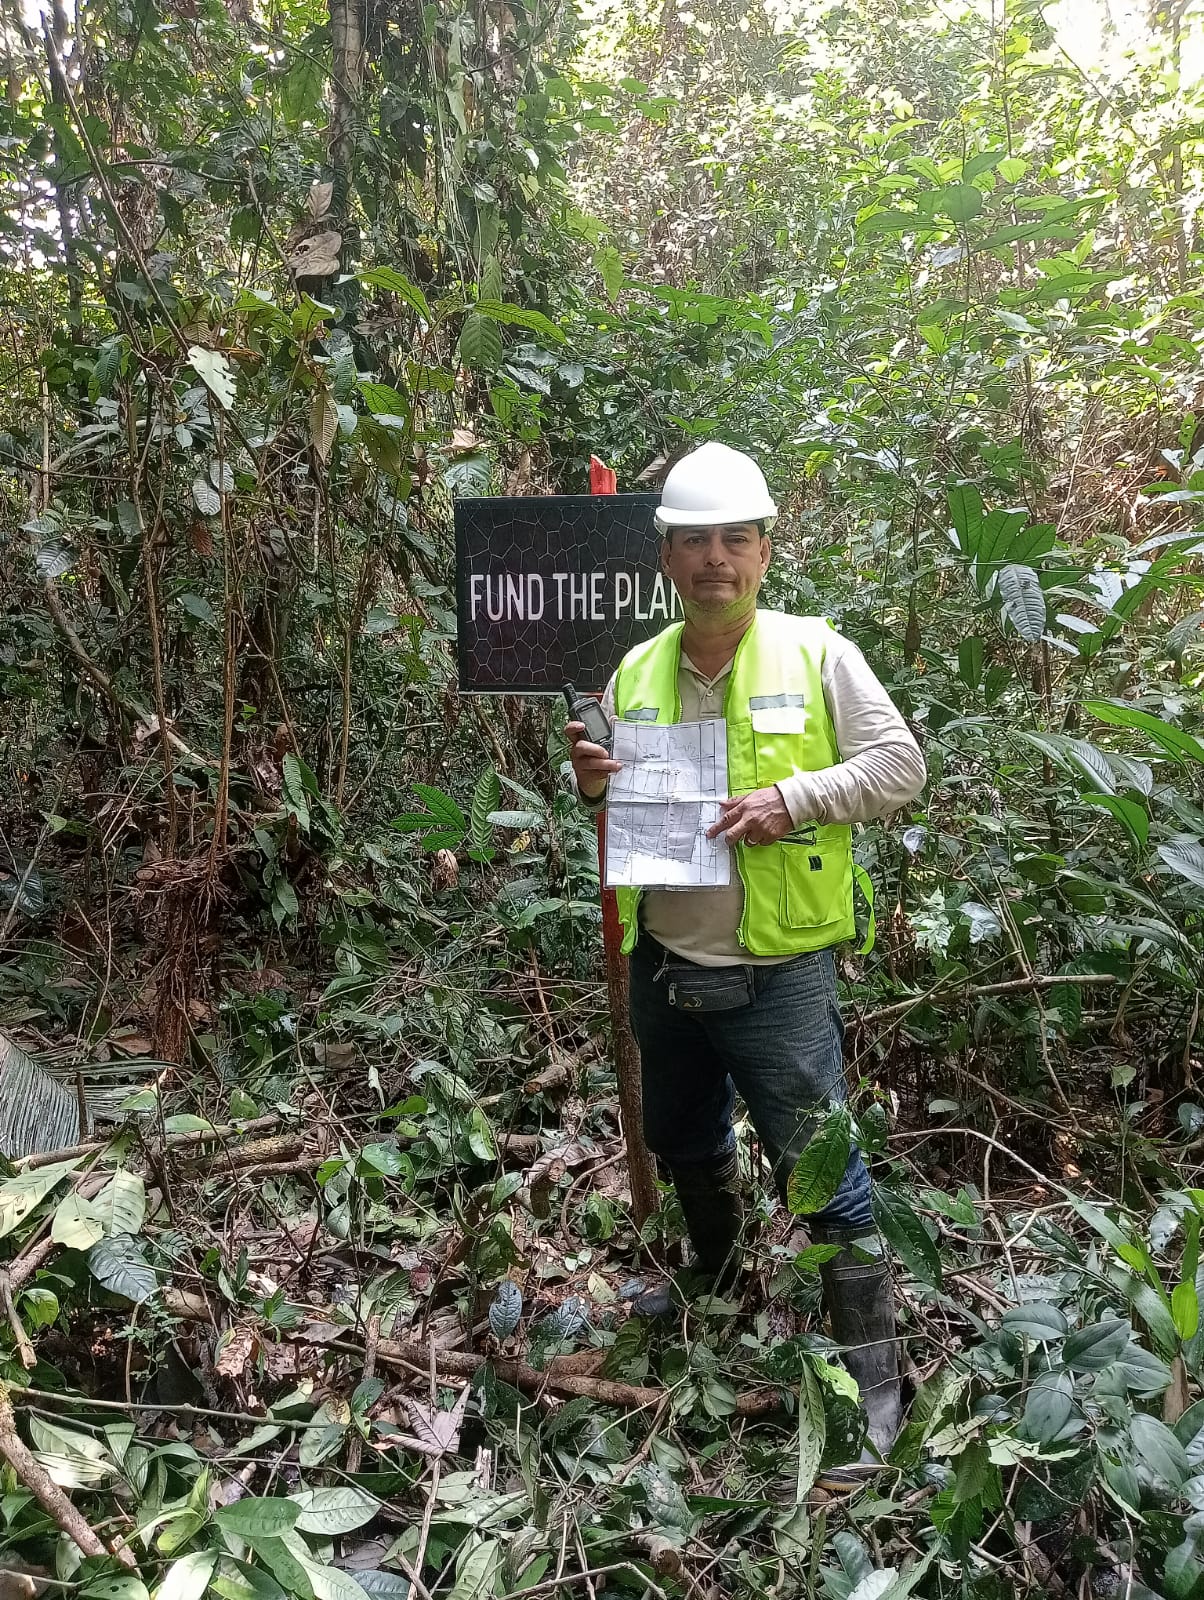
{"x":735,"y":989}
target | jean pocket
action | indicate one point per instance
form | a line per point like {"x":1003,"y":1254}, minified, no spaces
{"x":692,"y":988}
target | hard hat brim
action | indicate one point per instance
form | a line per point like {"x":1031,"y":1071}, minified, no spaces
{"x":668,"y":517}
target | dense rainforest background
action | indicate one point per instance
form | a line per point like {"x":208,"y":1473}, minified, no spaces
{"x":326,"y":1296}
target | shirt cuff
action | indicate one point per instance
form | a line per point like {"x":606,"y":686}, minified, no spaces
{"x":800,"y":800}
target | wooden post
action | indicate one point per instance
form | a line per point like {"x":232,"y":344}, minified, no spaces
{"x":626,"y":1051}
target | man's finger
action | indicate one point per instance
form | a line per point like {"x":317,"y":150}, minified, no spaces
{"x":727,"y":821}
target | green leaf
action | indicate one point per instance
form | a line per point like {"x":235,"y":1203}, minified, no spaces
{"x":301,"y":91}
{"x":480,"y":1136}
{"x":285,"y":1567}
{"x":818,"y":1172}
{"x":384,"y":401}
{"x":124,"y":1587}
{"x":1023,"y":601}
{"x":212,"y":368}
{"x":337,"y":1510}
{"x":475,"y":1565}
{"x":970,"y":661}
{"x":76,"y":1226}
{"x":323,"y":1438}
{"x":1173,"y":740}
{"x":609,"y":263}
{"x":1035,"y":1320}
{"x":442,"y":806}
{"x":1153,"y":1310}
{"x":1158,"y":1450}
{"x":1185,"y":857}
{"x":120,"y":1266}
{"x":965,"y":508}
{"x":295,"y":791}
{"x":258,"y":1516}
{"x":21,"y":1195}
{"x":812,"y":1430}
{"x":392,"y":1586}
{"x":393,"y":282}
{"x":906,"y":1234}
{"x":188,"y":1578}
{"x":1096,"y":1346}
{"x":1012,"y":168}
{"x":518,"y":317}
{"x":1185,"y":1309}
{"x":486,"y":798}
{"x":480,"y":343}
{"x":960,"y":201}
{"x":1131,"y":815}
{"x":1048,"y":1405}
{"x":121,"y":1204}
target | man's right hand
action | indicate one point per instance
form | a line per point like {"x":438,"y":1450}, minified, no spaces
{"x":592,"y":763}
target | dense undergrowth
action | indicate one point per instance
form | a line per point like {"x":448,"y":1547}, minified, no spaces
{"x":336,"y":1299}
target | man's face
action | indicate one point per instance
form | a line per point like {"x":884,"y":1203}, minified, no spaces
{"x":717,"y":569}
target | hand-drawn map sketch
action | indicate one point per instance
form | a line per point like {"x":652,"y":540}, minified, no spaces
{"x":661,"y":804}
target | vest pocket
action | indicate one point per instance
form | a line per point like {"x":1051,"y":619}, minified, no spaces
{"x":815,"y":886}
{"x":779,"y":742}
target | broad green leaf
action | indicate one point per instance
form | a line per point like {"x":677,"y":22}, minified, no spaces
{"x":970,"y":661}
{"x":188,"y":1578}
{"x":442,"y":807}
{"x":518,"y":317}
{"x":486,"y":798}
{"x":22,"y":1194}
{"x":212,"y":368}
{"x":965,"y":508}
{"x":301,"y":91}
{"x":1132,"y":816}
{"x":384,"y":401}
{"x":258,"y":1516}
{"x":295,"y":790}
{"x":286,"y":1567}
{"x":337,"y":1510}
{"x":906,"y":1234}
{"x":1048,"y":1405}
{"x":124,"y":1587}
{"x":120,"y":1266}
{"x":1186,"y":858}
{"x":818,"y":1172}
{"x":1036,"y":1320}
{"x":1158,"y":1450}
{"x":1012,"y":168}
{"x":1173,"y":740}
{"x":393,"y":282}
{"x":610,"y":267}
{"x":76,"y":1226}
{"x":480,"y":343}
{"x":1096,"y":1346}
{"x":476,"y":1564}
{"x":960,"y":201}
{"x":392,"y":1586}
{"x":121,"y":1204}
{"x":1023,"y":601}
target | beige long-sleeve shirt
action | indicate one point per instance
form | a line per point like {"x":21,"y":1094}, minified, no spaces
{"x":880,"y":769}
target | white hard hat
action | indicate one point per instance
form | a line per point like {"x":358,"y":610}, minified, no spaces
{"x":713,"y":485}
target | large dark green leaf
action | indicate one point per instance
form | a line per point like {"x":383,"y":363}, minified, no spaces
{"x":820,"y":1168}
{"x":906,"y":1234}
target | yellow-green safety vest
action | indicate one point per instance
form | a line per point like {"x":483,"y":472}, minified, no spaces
{"x":798,"y":893}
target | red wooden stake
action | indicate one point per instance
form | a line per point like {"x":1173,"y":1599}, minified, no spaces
{"x":627,"y":1055}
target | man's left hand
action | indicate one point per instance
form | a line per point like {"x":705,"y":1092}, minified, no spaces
{"x":757,"y":818}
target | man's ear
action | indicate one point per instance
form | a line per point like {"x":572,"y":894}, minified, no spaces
{"x":666,"y":551}
{"x":766,"y":552}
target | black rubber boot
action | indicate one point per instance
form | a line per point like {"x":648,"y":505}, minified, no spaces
{"x":712,"y":1203}
{"x":861,"y":1308}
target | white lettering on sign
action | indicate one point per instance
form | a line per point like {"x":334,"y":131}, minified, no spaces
{"x":571,"y":596}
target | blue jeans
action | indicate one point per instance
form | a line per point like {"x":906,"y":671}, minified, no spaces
{"x":773,"y":1033}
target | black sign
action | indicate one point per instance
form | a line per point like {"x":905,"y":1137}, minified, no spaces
{"x":554,"y":589}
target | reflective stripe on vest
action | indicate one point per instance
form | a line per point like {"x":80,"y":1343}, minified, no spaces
{"x":798,"y":893}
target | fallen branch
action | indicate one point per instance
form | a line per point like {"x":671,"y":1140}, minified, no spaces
{"x":171,"y":1141}
{"x":25,"y":1350}
{"x":972,"y":991}
{"x":607,"y":1391}
{"x":47,"y":1493}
